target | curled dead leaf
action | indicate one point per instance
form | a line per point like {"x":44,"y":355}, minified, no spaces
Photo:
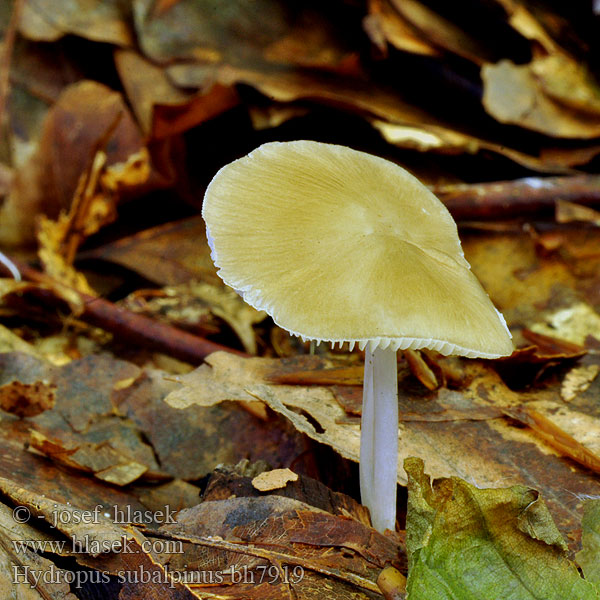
{"x":513,"y":95}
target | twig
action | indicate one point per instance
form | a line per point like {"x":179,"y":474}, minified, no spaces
{"x":519,"y":198}
{"x":131,"y":327}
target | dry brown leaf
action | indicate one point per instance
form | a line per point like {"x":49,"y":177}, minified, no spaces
{"x":552,"y":347}
{"x":520,"y":282}
{"x":82,"y":430}
{"x":523,"y":20}
{"x":81,"y":119}
{"x":105,"y":462}
{"x":567,"y":212}
{"x":49,"y":20}
{"x":331,"y":552}
{"x":441,"y":32}
{"x":569,"y":157}
{"x":17,"y":561}
{"x":190,"y":443}
{"x":385,"y":24}
{"x":92,"y":207}
{"x":236,"y":482}
{"x":38,"y":75}
{"x":161,"y":108}
{"x":400,"y":123}
{"x":170,"y":254}
{"x":37,"y":475}
{"x":119,"y":178}
{"x":478,"y":449}
{"x":274,"y":480}
{"x":265,"y":31}
{"x":568,"y":81}
{"x":513,"y":95}
{"x":70,"y":520}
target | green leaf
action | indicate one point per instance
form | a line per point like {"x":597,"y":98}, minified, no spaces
{"x":466,"y":543}
{"x":589,"y":557}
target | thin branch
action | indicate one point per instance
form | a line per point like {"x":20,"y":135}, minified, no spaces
{"x":531,"y":196}
{"x":131,"y":327}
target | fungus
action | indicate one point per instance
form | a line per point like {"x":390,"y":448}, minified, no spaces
{"x":341,"y":246}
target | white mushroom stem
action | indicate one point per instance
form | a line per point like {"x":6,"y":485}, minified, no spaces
{"x":379,"y":437}
{"x":11,"y":267}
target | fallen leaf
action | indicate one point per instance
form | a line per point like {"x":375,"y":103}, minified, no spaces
{"x":384,"y":24}
{"x":521,"y":17}
{"x":568,"y":81}
{"x":589,"y":557}
{"x":236,"y":482}
{"x":79,"y":427}
{"x":250,"y":534}
{"x":315,"y":370}
{"x":20,"y":564}
{"x":93,"y":527}
{"x":441,"y":32}
{"x":47,"y":20}
{"x":161,"y":108}
{"x":567,"y":212}
{"x":459,"y":432}
{"x":189,"y":444}
{"x":398,"y":121}
{"x":37,"y":475}
{"x":38,"y":75}
{"x":498,"y":544}
{"x":513,"y":95}
{"x":82,"y":117}
{"x":521,"y":283}
{"x":169,"y":254}
{"x":265,"y":31}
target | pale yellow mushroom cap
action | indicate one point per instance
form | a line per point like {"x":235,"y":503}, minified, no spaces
{"x":339,"y":245}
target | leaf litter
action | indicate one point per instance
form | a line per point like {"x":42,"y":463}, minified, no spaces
{"x":192,"y":89}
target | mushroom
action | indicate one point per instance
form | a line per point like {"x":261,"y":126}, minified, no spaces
{"x":341,"y":246}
